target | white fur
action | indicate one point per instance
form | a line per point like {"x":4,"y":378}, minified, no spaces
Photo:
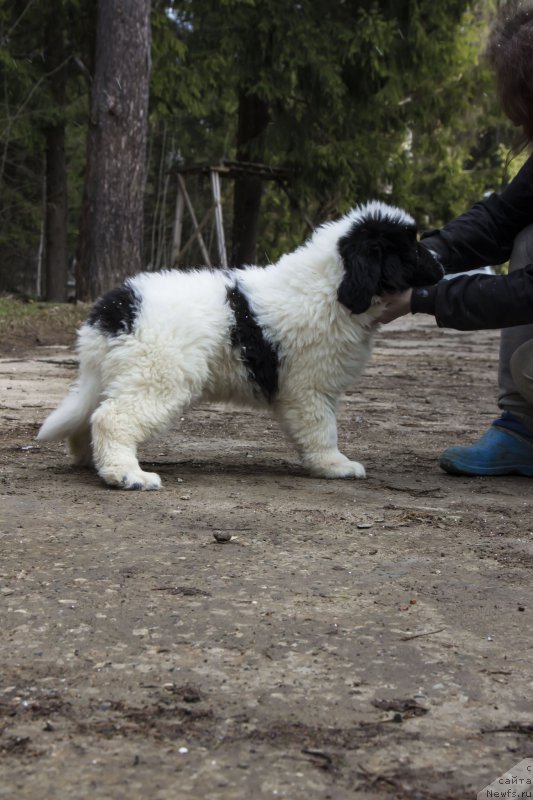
{"x":131,"y":386}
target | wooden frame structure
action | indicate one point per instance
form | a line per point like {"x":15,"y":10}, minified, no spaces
{"x":226,"y":169}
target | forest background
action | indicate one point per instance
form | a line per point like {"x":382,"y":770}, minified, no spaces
{"x":349,"y":100}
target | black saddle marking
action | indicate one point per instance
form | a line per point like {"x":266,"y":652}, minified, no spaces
{"x":258,"y":354}
{"x":116,"y":311}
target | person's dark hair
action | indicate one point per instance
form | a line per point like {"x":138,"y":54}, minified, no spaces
{"x":510,"y":52}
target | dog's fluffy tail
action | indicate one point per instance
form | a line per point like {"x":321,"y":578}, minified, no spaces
{"x":75,"y":411}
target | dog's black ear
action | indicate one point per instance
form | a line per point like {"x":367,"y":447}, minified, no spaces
{"x":378,"y":252}
{"x":362,"y":261}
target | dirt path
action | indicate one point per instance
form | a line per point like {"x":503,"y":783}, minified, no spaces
{"x":353,"y":640}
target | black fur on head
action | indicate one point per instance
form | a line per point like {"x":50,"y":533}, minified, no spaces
{"x":380,"y":254}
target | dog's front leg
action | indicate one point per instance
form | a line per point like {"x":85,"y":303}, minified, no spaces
{"x":310,"y":422}
{"x":118,"y":426}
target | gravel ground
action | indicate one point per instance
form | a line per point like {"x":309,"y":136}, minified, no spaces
{"x":367,"y":639}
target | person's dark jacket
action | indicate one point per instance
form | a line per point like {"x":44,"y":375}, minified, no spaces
{"x":482,"y":236}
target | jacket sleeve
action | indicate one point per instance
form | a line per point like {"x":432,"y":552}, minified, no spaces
{"x":477,"y":302}
{"x":484,"y":235}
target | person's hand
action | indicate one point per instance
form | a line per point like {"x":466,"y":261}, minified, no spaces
{"x":396,"y":305}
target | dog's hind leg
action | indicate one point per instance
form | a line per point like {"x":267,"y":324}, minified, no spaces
{"x":79,"y":445}
{"x":119,"y":425}
{"x":311,"y":423}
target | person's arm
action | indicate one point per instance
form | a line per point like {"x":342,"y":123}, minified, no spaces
{"x":477,"y":302}
{"x":484,"y":234}
{"x":469,"y":302}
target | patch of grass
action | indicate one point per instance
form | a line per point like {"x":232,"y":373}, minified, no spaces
{"x":26,"y":323}
{"x":18,"y":314}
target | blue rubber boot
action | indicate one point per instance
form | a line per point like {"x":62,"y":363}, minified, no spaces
{"x":498,"y":452}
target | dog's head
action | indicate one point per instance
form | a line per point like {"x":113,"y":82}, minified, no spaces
{"x":380,"y":255}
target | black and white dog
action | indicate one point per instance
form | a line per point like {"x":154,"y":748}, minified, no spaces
{"x":291,"y":336}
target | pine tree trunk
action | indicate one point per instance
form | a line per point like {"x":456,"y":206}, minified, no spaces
{"x":252,"y":124}
{"x":55,"y":248}
{"x":111,"y":229}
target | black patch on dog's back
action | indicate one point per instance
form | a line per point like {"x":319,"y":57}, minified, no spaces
{"x":259,"y":356}
{"x":116,"y":311}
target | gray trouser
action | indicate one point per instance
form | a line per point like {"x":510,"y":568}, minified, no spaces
{"x":515,"y":375}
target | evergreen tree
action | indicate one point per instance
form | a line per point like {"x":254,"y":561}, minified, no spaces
{"x":352,"y":97}
{"x":358,"y":99}
{"x":42,"y":108}
{"x":55,"y":211}
{"x":111,"y":232}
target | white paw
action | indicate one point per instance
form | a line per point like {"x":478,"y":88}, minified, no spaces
{"x":132,"y":479}
{"x":340,"y":467}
